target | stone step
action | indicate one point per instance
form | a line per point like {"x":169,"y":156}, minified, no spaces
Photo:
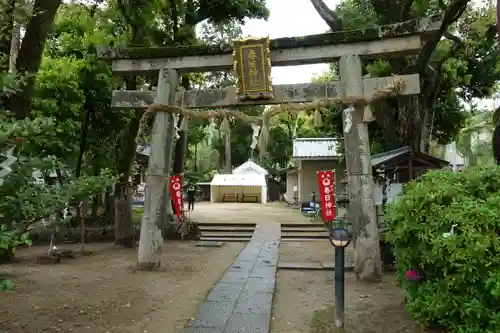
{"x":314,"y":229}
{"x":226,"y":229}
{"x":224,"y":225}
{"x":224,"y":234}
{"x":308,"y":236}
{"x":302,"y":225}
{"x":227,"y":239}
{"x":304,"y":234}
{"x":288,"y":239}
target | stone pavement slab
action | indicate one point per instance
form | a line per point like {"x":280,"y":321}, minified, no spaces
{"x":226,"y":292}
{"x":204,"y":330}
{"x":248,"y":323}
{"x":241,"y":302}
{"x":213,"y":314}
{"x":316,"y":266}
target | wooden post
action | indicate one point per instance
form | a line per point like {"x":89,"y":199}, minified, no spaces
{"x":167,"y":217}
{"x":181,"y":146}
{"x":151,"y":238}
{"x":361,"y":209}
{"x":228,"y":167}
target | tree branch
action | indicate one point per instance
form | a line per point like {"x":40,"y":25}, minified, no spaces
{"x":496,"y":135}
{"x":93,"y":8}
{"x":498,"y":20}
{"x":328,"y":15}
{"x":193,"y":16}
{"x":30,"y":55}
{"x":7,"y":10}
{"x":434,"y":87}
{"x":175,"y":19}
{"x":388,"y":11}
{"x":452,"y":13}
{"x":122,"y":8}
{"x":405,"y":10}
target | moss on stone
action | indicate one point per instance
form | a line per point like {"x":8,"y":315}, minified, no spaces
{"x":340,"y":37}
{"x":162,"y":52}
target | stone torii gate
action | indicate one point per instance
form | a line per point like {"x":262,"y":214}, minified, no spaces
{"x":347,"y":47}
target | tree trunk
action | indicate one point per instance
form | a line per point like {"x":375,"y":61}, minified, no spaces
{"x":109,"y":205}
{"x":498,"y":19}
{"x":96,"y":203}
{"x":123,"y":189}
{"x":468,"y":150}
{"x":124,"y":231}
{"x":30,"y":54}
{"x":7,"y":21}
{"x":14,"y":47}
{"x":496,"y":144}
{"x":361,"y":210}
{"x":127,"y":147}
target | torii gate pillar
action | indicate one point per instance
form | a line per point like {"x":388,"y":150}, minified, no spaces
{"x":361,"y":209}
{"x":157,"y":200}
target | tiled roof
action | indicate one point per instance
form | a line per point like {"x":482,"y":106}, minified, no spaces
{"x":385,"y":157}
{"x":315,"y":148}
{"x":380,"y":158}
{"x":144,"y":149}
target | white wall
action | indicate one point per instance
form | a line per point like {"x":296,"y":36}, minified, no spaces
{"x":308,"y":179}
{"x":292,"y":180}
{"x":394,"y":190}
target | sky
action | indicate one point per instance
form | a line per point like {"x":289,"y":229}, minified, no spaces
{"x":287,"y":20}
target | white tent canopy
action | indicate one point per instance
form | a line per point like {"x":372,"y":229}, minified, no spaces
{"x":250,"y":167}
{"x":251,"y":187}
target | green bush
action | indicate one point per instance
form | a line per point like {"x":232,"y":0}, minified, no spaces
{"x":459,"y":285}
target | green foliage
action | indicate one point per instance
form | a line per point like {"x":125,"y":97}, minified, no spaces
{"x":72,"y":68}
{"x":6,"y":284}
{"x":459,"y":286}
{"x":220,"y":11}
{"x":466,"y":64}
{"x":70,"y":82}
{"x":73,"y":85}
{"x":27,"y":198}
{"x":471,"y":141}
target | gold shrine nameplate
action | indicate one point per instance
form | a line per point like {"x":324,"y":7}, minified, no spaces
{"x":252,"y":66}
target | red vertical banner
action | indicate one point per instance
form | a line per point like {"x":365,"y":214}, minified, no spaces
{"x":176,"y":194}
{"x":326,"y":185}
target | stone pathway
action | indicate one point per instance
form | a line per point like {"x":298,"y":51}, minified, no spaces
{"x":313,"y":266}
{"x":241,"y":301}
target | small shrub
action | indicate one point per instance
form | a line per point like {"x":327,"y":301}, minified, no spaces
{"x":459,"y":284}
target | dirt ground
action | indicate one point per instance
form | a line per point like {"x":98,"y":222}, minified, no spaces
{"x":303,"y":303}
{"x":101,"y":293}
{"x":207,"y":212}
{"x":304,"y":300}
{"x":312,"y":251}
